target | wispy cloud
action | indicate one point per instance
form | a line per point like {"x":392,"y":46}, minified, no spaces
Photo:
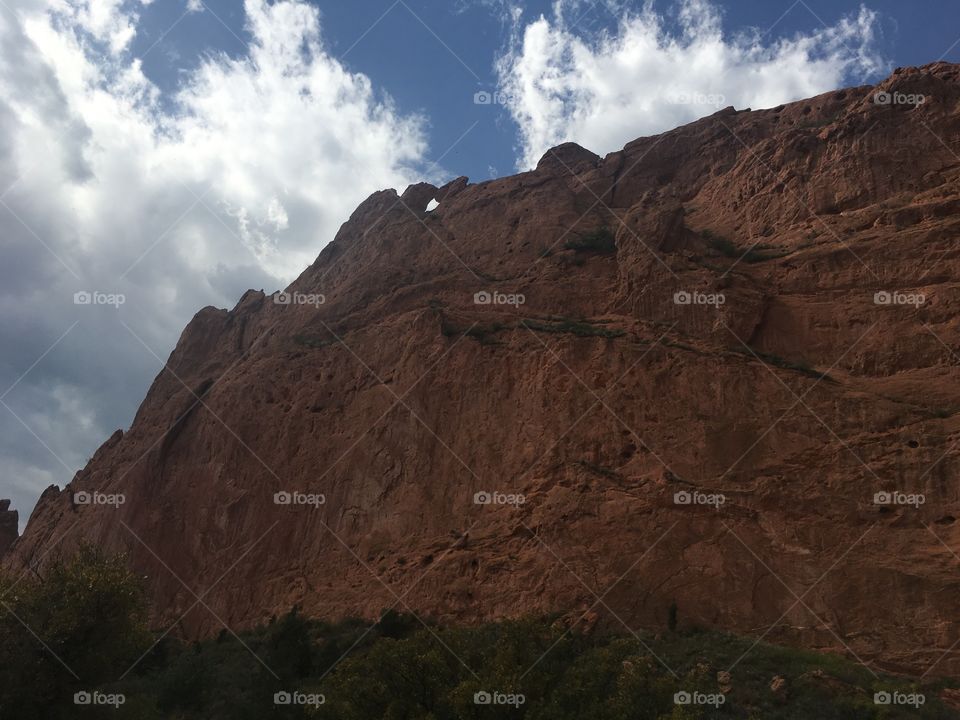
{"x":563,"y":82}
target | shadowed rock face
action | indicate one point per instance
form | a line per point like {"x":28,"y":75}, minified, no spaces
{"x":700,"y":322}
{"x":9,"y":527}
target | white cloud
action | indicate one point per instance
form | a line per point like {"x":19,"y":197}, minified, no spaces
{"x":603,"y":90}
{"x":102,"y":180}
{"x":103,"y":20}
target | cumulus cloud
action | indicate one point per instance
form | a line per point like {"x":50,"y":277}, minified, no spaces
{"x":654,"y":72}
{"x":176,"y":202}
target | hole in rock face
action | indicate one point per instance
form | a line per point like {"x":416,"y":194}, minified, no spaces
{"x":946,"y":520}
{"x":885,"y":510}
{"x":432,"y":205}
{"x":913,"y":444}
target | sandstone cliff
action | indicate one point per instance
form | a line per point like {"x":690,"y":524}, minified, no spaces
{"x":700,"y":315}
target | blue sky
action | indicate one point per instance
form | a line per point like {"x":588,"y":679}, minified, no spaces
{"x":179,"y":152}
{"x":436,"y":69}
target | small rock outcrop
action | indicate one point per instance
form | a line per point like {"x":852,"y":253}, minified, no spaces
{"x":9,"y":527}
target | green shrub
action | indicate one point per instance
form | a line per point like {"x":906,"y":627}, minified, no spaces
{"x":79,"y":628}
{"x":783,"y":363}
{"x":600,"y":240}
{"x":753,"y":254}
{"x":312,"y":341}
{"x":599,"y":470}
{"x":580,"y":328}
{"x":400,"y":669}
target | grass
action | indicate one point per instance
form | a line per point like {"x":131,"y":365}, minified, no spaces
{"x":600,"y":240}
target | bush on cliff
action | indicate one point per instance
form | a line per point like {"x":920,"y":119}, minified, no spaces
{"x":75,"y":628}
{"x":89,"y":612}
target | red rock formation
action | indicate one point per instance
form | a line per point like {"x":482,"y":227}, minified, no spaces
{"x":599,"y":399}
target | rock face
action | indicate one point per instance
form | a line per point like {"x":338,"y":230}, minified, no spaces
{"x":729,"y":311}
{"x":9,"y":527}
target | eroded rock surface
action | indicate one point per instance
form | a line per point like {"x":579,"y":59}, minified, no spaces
{"x":701,"y":315}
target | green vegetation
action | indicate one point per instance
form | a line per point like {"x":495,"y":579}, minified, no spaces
{"x":721,"y":244}
{"x":682,"y":346}
{"x":311,"y":341}
{"x":599,"y":470}
{"x":580,"y":328}
{"x":90,"y":612}
{"x":777,"y":361}
{"x":600,"y":240}
{"x":754,"y":254}
{"x":483,"y":334}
